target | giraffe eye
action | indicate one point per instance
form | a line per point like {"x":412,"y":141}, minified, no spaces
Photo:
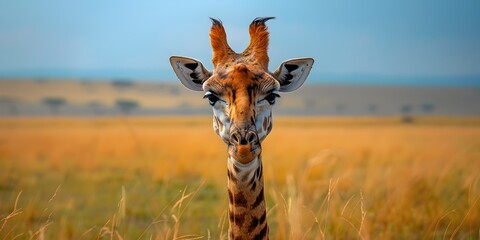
{"x":271,"y":98}
{"x":212,"y":99}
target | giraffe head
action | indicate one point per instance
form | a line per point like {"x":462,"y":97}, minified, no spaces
{"x":241,"y":89}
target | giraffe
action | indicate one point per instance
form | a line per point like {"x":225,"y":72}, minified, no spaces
{"x":242,"y":92}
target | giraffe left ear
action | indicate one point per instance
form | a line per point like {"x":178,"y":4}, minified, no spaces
{"x":292,"y":73}
{"x":190,"y":72}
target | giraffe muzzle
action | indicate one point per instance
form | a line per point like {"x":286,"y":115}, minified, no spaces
{"x":243,"y":137}
{"x":244,"y":145}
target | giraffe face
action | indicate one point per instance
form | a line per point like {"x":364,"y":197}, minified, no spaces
{"x":242,"y":98}
{"x":241,"y":90}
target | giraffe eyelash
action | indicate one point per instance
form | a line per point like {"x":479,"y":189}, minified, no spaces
{"x":212,"y":98}
{"x":270,"y":97}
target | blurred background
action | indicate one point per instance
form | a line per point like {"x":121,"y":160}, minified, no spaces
{"x":108,"y":58}
{"x":99,"y":140}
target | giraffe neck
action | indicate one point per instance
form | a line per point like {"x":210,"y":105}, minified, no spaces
{"x":247,"y":212}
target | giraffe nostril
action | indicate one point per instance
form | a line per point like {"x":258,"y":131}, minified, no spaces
{"x":234,"y":137}
{"x":251,"y":137}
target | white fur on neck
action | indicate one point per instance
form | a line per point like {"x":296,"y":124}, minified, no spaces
{"x":244,"y":169}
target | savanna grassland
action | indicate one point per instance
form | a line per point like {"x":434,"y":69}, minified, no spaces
{"x":165,"y":178}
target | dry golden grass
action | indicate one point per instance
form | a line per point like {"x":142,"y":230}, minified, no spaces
{"x":165,"y":178}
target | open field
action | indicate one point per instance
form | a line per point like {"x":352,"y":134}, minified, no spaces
{"x":165,"y":178}
{"x":29,"y":97}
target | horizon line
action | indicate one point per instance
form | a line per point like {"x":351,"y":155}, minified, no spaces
{"x":159,"y":75}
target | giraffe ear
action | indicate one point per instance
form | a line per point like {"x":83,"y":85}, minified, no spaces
{"x":191,"y":72}
{"x":292,"y":73}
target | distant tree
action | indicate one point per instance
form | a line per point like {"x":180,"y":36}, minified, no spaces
{"x":54,"y":103}
{"x":372,"y":108}
{"x":122,"y":84}
{"x":406,"y":111}
{"x":10,"y":104}
{"x":126,"y":106}
{"x":340,"y":108}
{"x":96,"y":107}
{"x":427,"y":107}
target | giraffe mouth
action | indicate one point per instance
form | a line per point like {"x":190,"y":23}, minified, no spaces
{"x":244,"y":153}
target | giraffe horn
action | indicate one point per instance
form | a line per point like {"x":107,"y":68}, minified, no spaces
{"x":259,"y":38}
{"x":218,"y":39}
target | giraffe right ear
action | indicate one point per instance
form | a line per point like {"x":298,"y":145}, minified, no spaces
{"x":292,"y":73}
{"x":190,"y":71}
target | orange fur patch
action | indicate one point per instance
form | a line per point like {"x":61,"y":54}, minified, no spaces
{"x":220,"y":47}
{"x":258,"y":47}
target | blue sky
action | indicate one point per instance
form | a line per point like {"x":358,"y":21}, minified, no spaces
{"x":372,"y":41}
